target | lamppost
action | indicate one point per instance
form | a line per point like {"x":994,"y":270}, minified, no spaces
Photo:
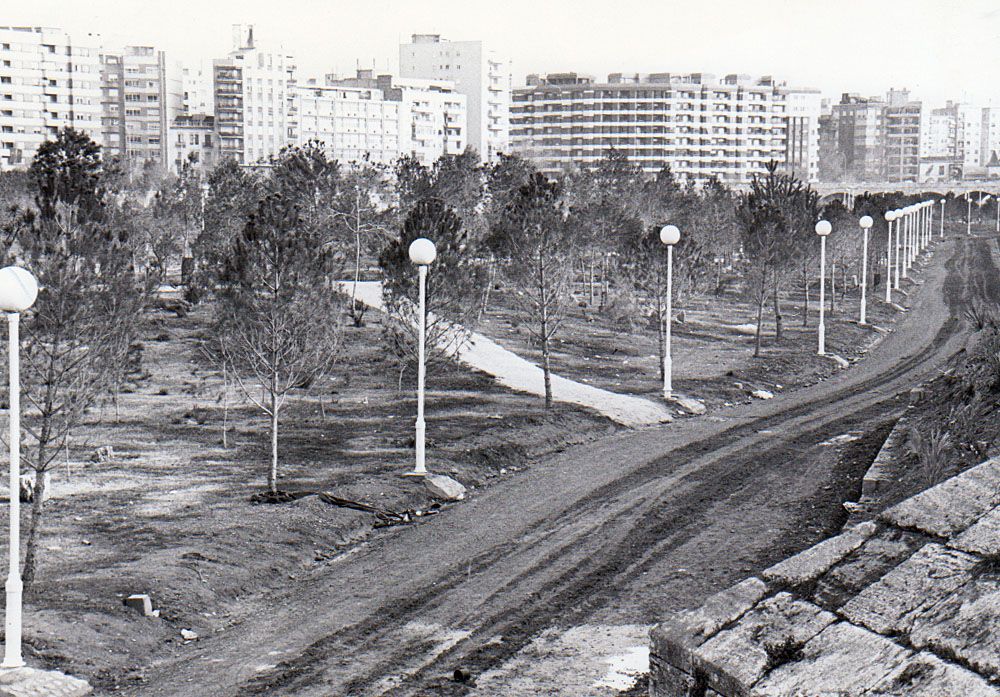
{"x":906,"y":240}
{"x":899,"y":262}
{"x":942,"y":218}
{"x":968,"y":215}
{"x":18,"y":290}
{"x":890,"y":216}
{"x":823,"y":229}
{"x":669,"y":236}
{"x":996,"y":197}
{"x":866,"y":222}
{"x":422,"y":253}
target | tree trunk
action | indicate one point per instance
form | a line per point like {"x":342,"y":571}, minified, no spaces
{"x":593,"y":281}
{"x":225,"y":406}
{"x":777,"y":310}
{"x":833,"y":288}
{"x":805,"y":301}
{"x":272,"y":475}
{"x":661,"y":335}
{"x":34,"y":527}
{"x":760,"y":324}
{"x":547,"y":372}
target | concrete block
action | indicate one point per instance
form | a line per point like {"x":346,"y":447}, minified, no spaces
{"x":810,"y":563}
{"x":735,"y":658}
{"x":31,"y":682}
{"x":666,"y":680}
{"x":444,"y":487}
{"x":840,"y":660}
{"x":926,"y":675}
{"x":966,"y":624}
{"x":953,"y":505}
{"x":890,"y":605}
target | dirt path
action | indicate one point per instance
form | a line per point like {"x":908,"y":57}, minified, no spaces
{"x":522,"y":375}
{"x":622,"y":531}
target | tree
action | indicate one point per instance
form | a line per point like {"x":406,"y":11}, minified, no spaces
{"x":279,"y":319}
{"x":76,"y":339}
{"x":775,"y":219}
{"x":453,"y":278}
{"x":536,"y":244}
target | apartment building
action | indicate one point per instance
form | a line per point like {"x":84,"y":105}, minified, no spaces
{"x":803,"y":109}
{"x":192,"y":142}
{"x":197,"y":86}
{"x":853,"y":140}
{"x":902,"y":119}
{"x":432,"y":115}
{"x":700,"y":125}
{"x":140,"y":96}
{"x":479,"y":73}
{"x":48,"y":80}
{"x":354,"y":123}
{"x":252,"y":94}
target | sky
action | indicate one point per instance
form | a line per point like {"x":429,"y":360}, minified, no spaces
{"x":939,"y":49}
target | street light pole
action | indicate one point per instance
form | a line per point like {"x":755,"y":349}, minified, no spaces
{"x":906,"y":240}
{"x":968,"y":216}
{"x":669,"y":236}
{"x":866,"y":223}
{"x":18,"y":291}
{"x":422,"y":253}
{"x":889,"y":217}
{"x":823,"y":229}
{"x":899,"y":223}
{"x":942,"y":218}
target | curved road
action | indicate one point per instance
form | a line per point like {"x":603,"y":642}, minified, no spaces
{"x":624,"y":530}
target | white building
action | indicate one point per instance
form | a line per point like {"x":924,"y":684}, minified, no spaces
{"x":197,"y":85}
{"x":803,"y":109}
{"x":192,"y":141}
{"x":698,"y":125}
{"x":141,"y":96}
{"x":48,"y":81}
{"x":477,"y":72}
{"x":252,"y":90}
{"x":354,"y":123}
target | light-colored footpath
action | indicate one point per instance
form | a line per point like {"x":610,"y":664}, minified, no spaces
{"x":516,"y":373}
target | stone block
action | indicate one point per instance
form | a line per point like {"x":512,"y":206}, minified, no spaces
{"x":865,"y":565}
{"x":890,"y":605}
{"x":666,"y":680}
{"x":953,"y":505}
{"x":675,"y":641}
{"x":840,"y":660}
{"x":926,"y":675}
{"x":735,"y":658}
{"x":966,"y":624}
{"x":31,"y":682}
{"x":141,"y":603}
{"x":983,"y":537}
{"x":809,"y":564}
{"x":444,"y":487}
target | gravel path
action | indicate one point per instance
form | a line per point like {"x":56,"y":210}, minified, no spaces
{"x":521,"y":375}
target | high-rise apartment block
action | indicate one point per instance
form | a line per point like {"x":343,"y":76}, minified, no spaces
{"x":253,"y":92}
{"x":478,"y":73}
{"x":48,"y":81}
{"x":382,"y":117}
{"x":902,"y":120}
{"x":699,"y":125}
{"x":140,"y":95}
{"x":853,"y":140}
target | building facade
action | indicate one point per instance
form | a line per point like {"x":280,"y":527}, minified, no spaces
{"x":252,"y":91}
{"x":48,"y":80}
{"x":480,"y":74}
{"x":353,"y":123}
{"x":854,"y":135}
{"x":698,"y":125}
{"x":902,"y":119}
{"x":192,"y":141}
{"x":140,"y":97}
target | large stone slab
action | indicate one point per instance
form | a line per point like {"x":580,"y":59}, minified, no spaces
{"x":866,"y":565}
{"x":983,"y":537}
{"x":926,"y":675}
{"x":840,"y":660}
{"x":735,"y":658}
{"x":966,"y":624}
{"x":807,"y":565}
{"x":953,"y":505}
{"x":31,"y":682}
{"x":890,"y":605}
{"x":674,"y":641}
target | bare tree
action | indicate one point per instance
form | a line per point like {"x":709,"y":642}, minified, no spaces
{"x":535,"y":242}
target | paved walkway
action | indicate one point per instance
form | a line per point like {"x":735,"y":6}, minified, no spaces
{"x":521,"y":375}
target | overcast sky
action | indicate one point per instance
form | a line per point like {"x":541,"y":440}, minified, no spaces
{"x":940,"y":49}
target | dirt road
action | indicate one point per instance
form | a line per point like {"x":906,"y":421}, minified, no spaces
{"x":624,"y":530}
